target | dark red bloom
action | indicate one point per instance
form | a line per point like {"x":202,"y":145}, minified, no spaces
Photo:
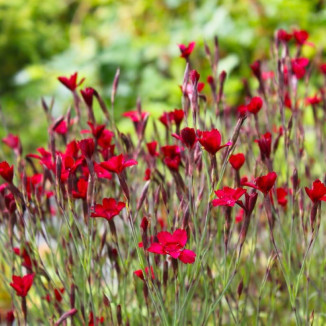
{"x":87,"y":147}
{"x":265,"y":145}
{"x":172,"y":157}
{"x":173,"y":245}
{"x":71,"y":82}
{"x":27,"y":261}
{"x":281,"y":194}
{"x":242,"y":110}
{"x":323,"y":68}
{"x":237,"y":160}
{"x":187,"y":137}
{"x":12,"y":141}
{"x":186,"y":50}
{"x":82,"y":185}
{"x":178,"y":115}
{"x":152,"y":148}
{"x":166,"y":118}
{"x":287,"y":101}
{"x":317,"y":192}
{"x":299,"y":67}
{"x":211,"y":141}
{"x":10,"y":317}
{"x":255,"y":68}
{"x":22,"y":284}
{"x":117,"y":164}
{"x":6,"y":171}
{"x":147,"y":174}
{"x":109,"y":208}
{"x":105,"y":139}
{"x":87,"y":95}
{"x":139,"y":273}
{"x":300,"y":36}
{"x":284,"y":36}
{"x":266,"y":182}
{"x":97,"y":130}
{"x":228,"y":196}
{"x":255,"y":105}
{"x":239,"y":217}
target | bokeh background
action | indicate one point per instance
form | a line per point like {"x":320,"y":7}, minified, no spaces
{"x":41,"y":40}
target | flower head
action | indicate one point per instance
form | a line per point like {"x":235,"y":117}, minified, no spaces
{"x":211,"y":141}
{"x":71,"y":82}
{"x":255,"y":105}
{"x":237,"y":160}
{"x":228,"y":196}
{"x":22,"y":284}
{"x":117,"y":164}
{"x":187,"y":137}
{"x":317,"y":192}
{"x":186,"y":50}
{"x":6,"y":171}
{"x":173,"y":245}
{"x":109,"y":208}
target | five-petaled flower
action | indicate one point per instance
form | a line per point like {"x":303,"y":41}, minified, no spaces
{"x":228,"y":196}
{"x":22,"y":284}
{"x":211,"y":141}
{"x":173,"y":245}
{"x":109,"y":208}
{"x":317,"y":192}
{"x":117,"y":164}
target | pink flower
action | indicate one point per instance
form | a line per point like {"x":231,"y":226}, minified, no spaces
{"x":173,"y":245}
{"x":12,"y":141}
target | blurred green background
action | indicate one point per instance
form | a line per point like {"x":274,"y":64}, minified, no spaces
{"x":41,"y":40}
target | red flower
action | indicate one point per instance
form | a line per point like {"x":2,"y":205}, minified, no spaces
{"x":61,"y":128}
{"x":105,"y":139}
{"x":266,"y":182}
{"x":298,"y":66}
{"x":97,"y":130}
{"x":211,"y":141}
{"x":242,"y":110}
{"x":265,"y":145}
{"x":172,"y":157}
{"x":187,"y":137}
{"x":27,"y":261}
{"x":109,"y":208}
{"x":283,"y":35}
{"x":255,"y":105}
{"x":281,"y":194}
{"x":12,"y":141}
{"x":10,"y":317}
{"x":173,"y":245}
{"x":87,"y":95}
{"x":255,"y":68}
{"x":91,"y":321}
{"x":139,"y":273}
{"x":147,"y":174}
{"x":71,"y":82}
{"x":117,"y":164}
{"x":6,"y":171}
{"x":239,"y":217}
{"x":101,"y":172}
{"x":166,"y":118}
{"x":152,"y":148}
{"x":135,"y":116}
{"x":287,"y":101}
{"x":186,"y":50}
{"x":300,"y":36}
{"x":323,"y":68}
{"x":82,"y":185}
{"x":237,"y":160}
{"x":87,"y":147}
{"x":22,"y":284}
{"x":178,"y":115}
{"x":228,"y":196}
{"x":317,"y":192}
{"x":313,"y":100}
